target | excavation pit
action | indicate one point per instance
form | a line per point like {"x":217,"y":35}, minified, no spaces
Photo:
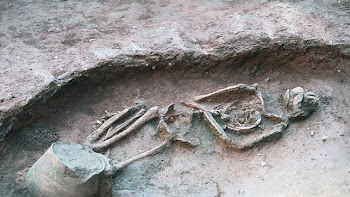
{"x":297,"y":162}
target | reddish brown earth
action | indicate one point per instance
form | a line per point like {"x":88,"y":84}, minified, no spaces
{"x":64,"y":62}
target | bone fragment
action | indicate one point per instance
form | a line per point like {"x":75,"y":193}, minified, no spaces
{"x":218,"y":131}
{"x":300,"y":103}
{"x":123,"y":125}
{"x":149,"y":115}
{"x":142,"y":155}
{"x":236,"y":126}
{"x":99,"y":132}
{"x":199,"y":107}
{"x":277,"y":130}
{"x":226,"y":90}
{"x":167,"y":111}
{"x":215,"y":127}
{"x":163,"y":128}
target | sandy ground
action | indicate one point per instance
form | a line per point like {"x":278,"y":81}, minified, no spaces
{"x":162,"y":52}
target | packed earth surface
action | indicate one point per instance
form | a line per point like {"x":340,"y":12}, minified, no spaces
{"x":63,"y":64}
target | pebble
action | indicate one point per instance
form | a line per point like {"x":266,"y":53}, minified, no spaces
{"x":263,"y":164}
{"x":324,"y":138}
{"x":259,"y":154}
{"x":54,"y":30}
{"x":312,"y":133}
{"x":269,"y":80}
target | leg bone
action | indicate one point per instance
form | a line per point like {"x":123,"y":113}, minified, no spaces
{"x":142,"y":155}
{"x":99,"y":132}
{"x":149,"y":115}
{"x":123,"y":125}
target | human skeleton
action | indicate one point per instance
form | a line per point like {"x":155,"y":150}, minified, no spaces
{"x":237,"y":110}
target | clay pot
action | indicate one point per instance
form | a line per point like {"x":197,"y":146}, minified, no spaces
{"x":69,"y":169}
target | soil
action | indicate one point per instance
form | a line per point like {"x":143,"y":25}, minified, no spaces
{"x":57,"y":79}
{"x":297,"y":164}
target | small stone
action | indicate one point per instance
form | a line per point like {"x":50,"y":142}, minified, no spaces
{"x":268,"y":80}
{"x":54,"y":30}
{"x":324,"y":138}
{"x":92,"y":39}
{"x":240,"y":191}
{"x":312,"y":133}
{"x":263,"y":164}
{"x":172,"y":119}
{"x":259,"y":154}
